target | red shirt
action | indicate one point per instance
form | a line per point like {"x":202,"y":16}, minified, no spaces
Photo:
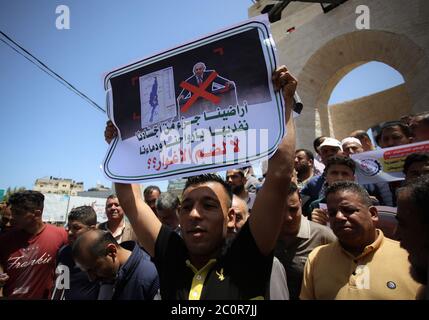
{"x":29,"y":260}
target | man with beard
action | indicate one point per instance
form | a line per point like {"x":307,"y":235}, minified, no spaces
{"x":304,"y":162}
{"x":362,"y":264}
{"x":413,"y":227}
{"x":237,"y":180}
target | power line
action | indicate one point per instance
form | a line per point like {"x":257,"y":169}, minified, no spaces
{"x":42,"y":66}
{"x":38,"y":66}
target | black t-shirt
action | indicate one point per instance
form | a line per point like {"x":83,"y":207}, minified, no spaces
{"x":241,"y":272}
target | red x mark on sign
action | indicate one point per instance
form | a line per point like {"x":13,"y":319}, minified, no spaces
{"x":200,"y":91}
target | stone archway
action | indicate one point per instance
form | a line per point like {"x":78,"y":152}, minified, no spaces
{"x":328,"y":65}
{"x":325,"y":46}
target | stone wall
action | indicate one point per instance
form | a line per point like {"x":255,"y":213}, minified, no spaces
{"x":325,"y":47}
{"x":366,"y":112}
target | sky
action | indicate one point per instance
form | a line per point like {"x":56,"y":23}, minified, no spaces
{"x":378,"y":77}
{"x":47,"y":130}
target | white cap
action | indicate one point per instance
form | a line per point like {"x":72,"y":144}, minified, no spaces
{"x":331,"y":142}
{"x":351,"y":139}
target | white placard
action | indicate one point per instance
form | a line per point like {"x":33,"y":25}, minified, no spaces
{"x":204,"y":106}
{"x":385,"y":165}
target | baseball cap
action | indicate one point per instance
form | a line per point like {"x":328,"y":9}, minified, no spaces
{"x":331,"y":142}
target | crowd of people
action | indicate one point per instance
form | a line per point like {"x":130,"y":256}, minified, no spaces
{"x":306,"y":230}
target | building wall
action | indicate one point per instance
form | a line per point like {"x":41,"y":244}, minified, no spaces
{"x":368,"y":111}
{"x":95,"y":194}
{"x":58,"y":186}
{"x":325,"y":47}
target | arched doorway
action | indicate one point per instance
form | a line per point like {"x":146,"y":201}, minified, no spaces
{"x":368,"y":95}
{"x":330,"y":63}
{"x":373,"y":77}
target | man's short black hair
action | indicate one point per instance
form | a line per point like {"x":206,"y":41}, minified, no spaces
{"x":99,"y":245}
{"x":360,"y":134}
{"x":210,"y":177}
{"x":419,"y":191}
{"x":317,"y":142}
{"x":350,"y":186}
{"x":84,"y":214}
{"x":340,"y":160}
{"x":414,"y":157}
{"x":149,"y":189}
{"x":308,"y":153}
{"x":390,"y":124}
{"x":28,"y":200}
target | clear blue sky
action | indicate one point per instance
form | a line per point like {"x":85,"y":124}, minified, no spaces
{"x":46,"y":130}
{"x":367,"y":79}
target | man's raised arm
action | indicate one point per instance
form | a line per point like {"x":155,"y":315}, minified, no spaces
{"x":145,"y":224}
{"x":267,"y":212}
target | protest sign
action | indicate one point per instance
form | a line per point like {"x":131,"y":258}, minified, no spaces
{"x":98,"y":204}
{"x":199,"y":107}
{"x":57,"y":207}
{"x":385,"y":165}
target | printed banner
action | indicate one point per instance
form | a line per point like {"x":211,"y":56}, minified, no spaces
{"x":385,"y":165}
{"x":57,"y":207}
{"x":98,"y":204}
{"x":204,"y":106}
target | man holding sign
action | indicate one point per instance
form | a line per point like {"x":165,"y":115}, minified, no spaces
{"x":199,"y":266}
